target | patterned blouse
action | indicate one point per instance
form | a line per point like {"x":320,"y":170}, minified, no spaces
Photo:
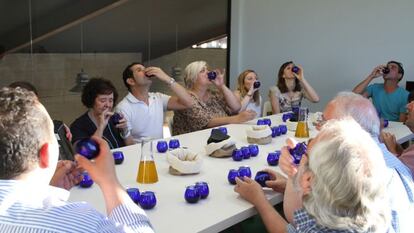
{"x":199,"y":115}
{"x":286,"y":100}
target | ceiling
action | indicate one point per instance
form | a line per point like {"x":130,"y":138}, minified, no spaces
{"x":153,"y":27}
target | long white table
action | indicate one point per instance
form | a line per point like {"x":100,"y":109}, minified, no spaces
{"x":223,"y":208}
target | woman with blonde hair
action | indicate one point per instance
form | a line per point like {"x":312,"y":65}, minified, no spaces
{"x":247,"y":93}
{"x":214,"y":104}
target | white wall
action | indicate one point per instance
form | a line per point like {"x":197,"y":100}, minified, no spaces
{"x":338,"y":42}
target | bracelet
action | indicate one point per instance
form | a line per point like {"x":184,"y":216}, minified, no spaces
{"x":171,"y":82}
{"x":125,"y":135}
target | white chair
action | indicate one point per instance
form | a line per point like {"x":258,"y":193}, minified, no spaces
{"x":267,"y":108}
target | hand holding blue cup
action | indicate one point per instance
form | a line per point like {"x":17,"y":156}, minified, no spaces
{"x":261,"y":178}
{"x":116,"y":118}
{"x":256,"y":84}
{"x":212,"y":75}
{"x":87,"y":147}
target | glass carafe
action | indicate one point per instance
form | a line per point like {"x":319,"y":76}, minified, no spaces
{"x":302,"y":130}
{"x":147,"y":171}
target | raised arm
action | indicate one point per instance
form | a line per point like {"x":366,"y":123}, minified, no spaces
{"x":309,"y":91}
{"x":360,"y":88}
{"x":231,"y":100}
{"x":182,"y":99}
{"x":119,"y":205}
{"x":244,"y":101}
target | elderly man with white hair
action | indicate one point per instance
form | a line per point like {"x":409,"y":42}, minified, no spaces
{"x":340,"y":182}
{"x":399,"y":183}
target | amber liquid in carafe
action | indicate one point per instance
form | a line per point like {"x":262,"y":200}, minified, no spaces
{"x":147,"y":172}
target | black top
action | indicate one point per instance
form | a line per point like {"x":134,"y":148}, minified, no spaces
{"x":83,"y":127}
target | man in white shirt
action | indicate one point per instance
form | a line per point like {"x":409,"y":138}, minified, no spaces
{"x":144,"y":110}
{"x":32,"y":182}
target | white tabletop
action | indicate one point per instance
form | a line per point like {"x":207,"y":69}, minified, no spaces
{"x":223,"y":207}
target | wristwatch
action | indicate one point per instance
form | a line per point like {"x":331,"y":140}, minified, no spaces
{"x":171,"y":81}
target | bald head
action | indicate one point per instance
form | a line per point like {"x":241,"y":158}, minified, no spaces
{"x":349,"y":104}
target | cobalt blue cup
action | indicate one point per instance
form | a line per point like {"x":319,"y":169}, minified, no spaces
{"x":267,"y":121}
{"x":118,"y":157}
{"x":273,"y":158}
{"x":254,"y":150}
{"x":212,"y":75}
{"x":223,"y":130}
{"x":261,"y":122}
{"x":87,"y":147}
{"x":245,"y":171}
{"x":237,"y":155}
{"x":203,"y":189}
{"x":231,"y":176}
{"x":385,"y":70}
{"x":295,"y":69}
{"x":116,"y":118}
{"x":287,"y":116}
{"x":261,"y":178}
{"x":134,"y":194}
{"x":86,"y":181}
{"x":276,"y":131}
{"x":386,"y":122}
{"x":246,"y":152}
{"x":162,"y":146}
{"x":147,"y":200}
{"x":174,"y":143}
{"x":191,"y":194}
{"x":283,"y":129}
{"x":256,"y":84}
{"x":297,"y":152}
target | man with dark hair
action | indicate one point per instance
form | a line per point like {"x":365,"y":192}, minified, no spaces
{"x":389,"y":99}
{"x":144,"y":110}
{"x":29,"y":154}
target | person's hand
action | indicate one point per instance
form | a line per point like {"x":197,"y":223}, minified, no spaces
{"x":252,"y":90}
{"x":250,"y":190}
{"x":286,"y":161}
{"x":68,"y":133}
{"x":246,"y":116}
{"x":66,"y":175}
{"x":103,"y":118}
{"x":102,"y":168}
{"x":158,"y":73}
{"x":123,"y":124}
{"x":377,"y":71}
{"x":277,"y":181}
{"x":390,"y":141}
{"x":299,"y":75}
{"x":219,"y":80}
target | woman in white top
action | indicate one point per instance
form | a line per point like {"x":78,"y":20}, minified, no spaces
{"x":249,"y":96}
{"x":290,"y":89}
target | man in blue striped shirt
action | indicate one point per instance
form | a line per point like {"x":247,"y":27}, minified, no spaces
{"x":28,"y":159}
